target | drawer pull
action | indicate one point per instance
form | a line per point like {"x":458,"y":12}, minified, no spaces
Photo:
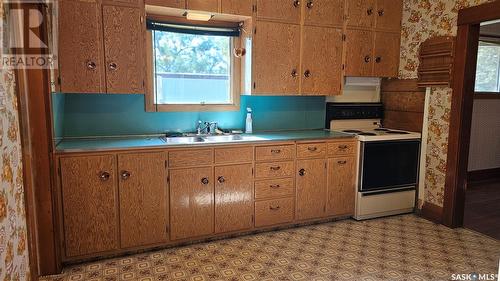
{"x":342,"y":162}
{"x":296,"y":3}
{"x":204,"y":181}
{"x":274,"y":186}
{"x":343,"y":147}
{"x":221,"y":179}
{"x":125,"y":175}
{"x":302,"y":172}
{"x":312,"y":148}
{"x":274,"y":208}
{"x":276,"y":151}
{"x":277,"y":168}
{"x":104,"y":176}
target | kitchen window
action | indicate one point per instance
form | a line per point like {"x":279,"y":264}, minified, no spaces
{"x":192,"y":67}
{"x":488,"y":68}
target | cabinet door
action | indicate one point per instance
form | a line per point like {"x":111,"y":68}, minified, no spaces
{"x":143,"y":199}
{"x":203,"y":5}
{"x":311,"y":188}
{"x":386,"y":54}
{"x":276,"y":58}
{"x":279,"y":10}
{"x":233,"y":198}
{"x":359,"y":48}
{"x":191,"y":202}
{"x":237,"y":7}
{"x":321,"y":61}
{"x":178,"y":4}
{"x":89,"y":199}
{"x":389,"y":14}
{"x":123,"y":44}
{"x":133,"y":3}
{"x":361,"y":13}
{"x":81,"y":67}
{"x":324,"y":12}
{"x":341,"y":186}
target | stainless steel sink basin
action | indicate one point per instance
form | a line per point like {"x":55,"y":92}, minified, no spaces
{"x":232,"y":138}
{"x":183,"y":140}
{"x":210,"y":139}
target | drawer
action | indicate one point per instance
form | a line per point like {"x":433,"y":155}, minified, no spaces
{"x":274,"y":188}
{"x":233,"y":154}
{"x":191,"y":157}
{"x":341,"y":148}
{"x":274,"y":170}
{"x":275,"y":152}
{"x":273,"y":212}
{"x":310,"y":150}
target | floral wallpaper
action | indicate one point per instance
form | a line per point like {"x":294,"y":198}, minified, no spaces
{"x":423,"y":19}
{"x":13,"y":237}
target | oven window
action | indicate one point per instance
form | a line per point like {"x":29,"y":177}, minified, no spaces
{"x":389,"y":164}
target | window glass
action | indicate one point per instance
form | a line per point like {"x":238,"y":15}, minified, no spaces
{"x":488,"y":64}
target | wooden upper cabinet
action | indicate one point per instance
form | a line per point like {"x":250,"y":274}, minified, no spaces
{"x":233,"y":198}
{"x":280,"y":10}
{"x":123,"y":45}
{"x":178,"y":4}
{"x":386,"y":54}
{"x":90,"y":212}
{"x":311,"y":188}
{"x":359,"y":53}
{"x":131,"y":3}
{"x":389,"y":14}
{"x":324,"y":12}
{"x":143,"y":199}
{"x":81,"y":66}
{"x":237,"y":7}
{"x":341,"y":186}
{"x":361,"y":13}
{"x":276,"y":60}
{"x":321,"y":61}
{"x":203,"y":5}
{"x":191,"y":202}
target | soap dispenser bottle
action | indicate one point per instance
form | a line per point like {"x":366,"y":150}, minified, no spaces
{"x":248,"y":124}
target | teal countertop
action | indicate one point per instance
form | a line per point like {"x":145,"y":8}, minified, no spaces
{"x":143,"y":142}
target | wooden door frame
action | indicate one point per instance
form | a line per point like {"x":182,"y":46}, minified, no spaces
{"x":469,"y":20}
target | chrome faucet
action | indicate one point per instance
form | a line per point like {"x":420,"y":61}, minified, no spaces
{"x":206,"y":128}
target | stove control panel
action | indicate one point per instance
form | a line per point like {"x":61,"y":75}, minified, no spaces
{"x":350,"y":111}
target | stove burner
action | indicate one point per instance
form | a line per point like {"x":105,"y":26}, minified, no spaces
{"x":367,"y":134}
{"x":381,"y":129}
{"x":397,"y":132}
{"x":352,"y":131}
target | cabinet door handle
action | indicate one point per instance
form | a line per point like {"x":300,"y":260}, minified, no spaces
{"x":91,"y":65}
{"x":274,"y":186}
{"x":381,"y":12}
{"x":312,"y":148}
{"x":204,"y":181}
{"x":296,"y":3}
{"x":302,"y":172}
{"x":307,"y":73}
{"x":125,"y":175}
{"x":113,"y":66}
{"x":276,"y":168}
{"x":274,"y":208}
{"x":368,"y":59}
{"x":104,"y":176}
{"x":310,"y":4}
{"x":369,"y":11}
{"x":342,"y":162}
{"x":221,"y":179}
{"x":294,"y":73}
{"x":343,"y":147}
{"x":378,"y":59}
{"x":275,"y":151}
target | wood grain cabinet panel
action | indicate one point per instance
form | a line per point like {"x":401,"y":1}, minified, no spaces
{"x":389,"y":14}
{"x":273,"y":212}
{"x":341,"y":148}
{"x":233,"y":154}
{"x":237,"y":7}
{"x":279,"y":10}
{"x":324,"y":12}
{"x":123,"y":45}
{"x":386,"y":54}
{"x":233,"y":198}
{"x":311,"y":150}
{"x":191,"y":157}
{"x":276,"y":59}
{"x":191,"y":202}
{"x":90,"y":207}
{"x":81,"y":66}
{"x":274,"y":170}
{"x":341,"y":186}
{"x":311,"y":188}
{"x":274,"y":152}
{"x":143,"y":199}
{"x":359,"y":53}
{"x":178,"y":4}
{"x":321,"y":61}
{"x":361,"y":13}
{"x":132,"y":3}
{"x":203,"y":5}
{"x":274,"y":188}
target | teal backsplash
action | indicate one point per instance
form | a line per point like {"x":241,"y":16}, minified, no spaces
{"x":83,"y":115}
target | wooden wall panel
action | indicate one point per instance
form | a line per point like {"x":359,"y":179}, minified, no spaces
{"x":404,"y":104}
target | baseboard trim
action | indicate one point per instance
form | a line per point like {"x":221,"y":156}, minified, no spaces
{"x":483,"y":175}
{"x":432,"y":212}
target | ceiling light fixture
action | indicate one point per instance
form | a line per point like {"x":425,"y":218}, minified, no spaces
{"x":198,"y":16}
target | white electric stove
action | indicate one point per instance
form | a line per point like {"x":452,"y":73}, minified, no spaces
{"x":388,"y":163}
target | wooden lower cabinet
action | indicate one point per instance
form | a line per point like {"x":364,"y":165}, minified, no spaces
{"x":143,"y":199}
{"x":89,"y":204}
{"x":341,"y":186}
{"x":273,"y":212}
{"x":311,"y":188}
{"x":233,"y":198}
{"x":191,"y":202}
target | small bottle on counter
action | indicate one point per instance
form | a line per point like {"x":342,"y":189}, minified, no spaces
{"x":248,"y":124}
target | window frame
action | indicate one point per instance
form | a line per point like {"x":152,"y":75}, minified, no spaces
{"x":235,"y":76}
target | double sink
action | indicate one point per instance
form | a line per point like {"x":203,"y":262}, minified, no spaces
{"x":196,"y":139}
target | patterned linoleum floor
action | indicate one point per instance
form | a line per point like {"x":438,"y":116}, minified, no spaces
{"x":395,"y":248}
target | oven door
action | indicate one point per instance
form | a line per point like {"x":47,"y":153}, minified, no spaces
{"x":389,"y":165}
